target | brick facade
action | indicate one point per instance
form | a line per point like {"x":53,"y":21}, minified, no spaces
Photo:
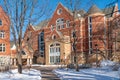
{"x":91,"y":31}
{"x":4,"y":33}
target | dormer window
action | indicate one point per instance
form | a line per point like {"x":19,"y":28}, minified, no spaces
{"x":0,"y":22}
{"x":60,"y":23}
{"x":59,"y":11}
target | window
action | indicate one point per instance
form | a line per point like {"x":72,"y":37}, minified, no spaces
{"x":60,"y":23}
{"x":90,"y":33}
{"x":54,"y":37}
{"x":2,"y":47}
{"x":59,"y":11}
{"x":73,"y":33}
{"x":54,"y":53}
{"x":67,"y":23}
{"x":0,"y":22}
{"x":52,"y":27}
{"x":23,"y":53}
{"x":42,"y":54}
{"x":2,"y":34}
{"x":41,"y":43}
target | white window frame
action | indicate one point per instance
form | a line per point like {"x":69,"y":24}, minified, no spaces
{"x":59,"y":11}
{"x":54,"y":53}
{"x":2,"y":34}
{"x":52,"y":27}
{"x":2,"y":47}
{"x":59,"y":23}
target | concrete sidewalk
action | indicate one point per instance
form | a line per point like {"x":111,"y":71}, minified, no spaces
{"x":46,"y":72}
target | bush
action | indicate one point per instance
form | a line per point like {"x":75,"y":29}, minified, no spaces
{"x":85,"y":66}
{"x":71,"y":66}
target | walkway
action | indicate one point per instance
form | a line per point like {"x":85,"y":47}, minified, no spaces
{"x":47,"y":73}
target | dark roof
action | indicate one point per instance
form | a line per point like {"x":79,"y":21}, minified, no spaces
{"x":94,"y":9}
{"x":11,"y":44}
{"x":109,"y":11}
{"x":41,"y":24}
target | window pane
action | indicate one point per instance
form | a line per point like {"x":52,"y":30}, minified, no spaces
{"x":0,"y":22}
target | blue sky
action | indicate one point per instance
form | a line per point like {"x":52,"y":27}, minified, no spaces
{"x":100,"y":3}
{"x":85,"y":5}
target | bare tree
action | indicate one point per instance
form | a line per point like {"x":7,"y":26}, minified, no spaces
{"x":22,"y":13}
{"x":114,"y":36}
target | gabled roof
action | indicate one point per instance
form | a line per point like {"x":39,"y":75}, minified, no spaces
{"x":94,"y":9}
{"x":109,"y":11}
{"x":11,"y":44}
{"x":41,"y":24}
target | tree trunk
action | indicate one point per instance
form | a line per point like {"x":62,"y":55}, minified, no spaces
{"x":19,"y":63}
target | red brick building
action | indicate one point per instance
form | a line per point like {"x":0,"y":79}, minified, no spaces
{"x":4,"y":38}
{"x":53,"y":40}
{"x":4,"y":34}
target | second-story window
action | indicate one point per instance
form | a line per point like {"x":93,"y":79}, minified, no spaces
{"x":67,"y":23}
{"x":2,"y":34}
{"x":60,"y":23}
{"x":2,"y":47}
{"x":52,"y":27}
{"x":0,"y":22}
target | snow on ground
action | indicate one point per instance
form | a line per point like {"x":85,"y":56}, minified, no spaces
{"x":31,"y":74}
{"x":105,"y":72}
{"x":87,"y":74}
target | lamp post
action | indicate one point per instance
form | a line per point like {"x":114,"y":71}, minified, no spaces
{"x":96,"y":46}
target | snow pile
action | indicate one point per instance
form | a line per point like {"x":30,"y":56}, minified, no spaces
{"x":31,"y":74}
{"x":105,"y":72}
{"x":107,"y":63}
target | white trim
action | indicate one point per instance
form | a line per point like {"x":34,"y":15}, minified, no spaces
{"x":81,"y":36}
{"x":54,"y":53}
{"x":3,"y":46}
{"x":105,"y":31}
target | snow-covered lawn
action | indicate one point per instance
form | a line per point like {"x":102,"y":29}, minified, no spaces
{"x":87,"y":74}
{"x":31,"y":74}
{"x":105,"y":72}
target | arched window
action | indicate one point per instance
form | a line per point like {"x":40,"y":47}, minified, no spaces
{"x":59,"y":11}
{"x":54,"y":53}
{"x":53,"y":37}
